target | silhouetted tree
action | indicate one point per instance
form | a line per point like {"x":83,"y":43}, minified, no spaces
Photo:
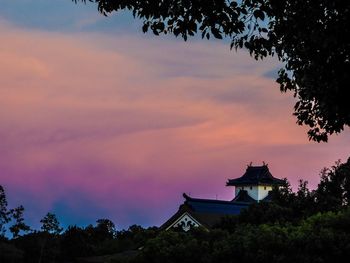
{"x":105,"y":228}
{"x":48,"y":237}
{"x":283,"y":195}
{"x":267,"y":213}
{"x":309,"y":37}
{"x":7,"y":215}
{"x":18,"y":225}
{"x":333,"y":191}
{"x":304,"y":201}
{"x":75,"y":243}
{"x":135,"y":236}
{"x":4,"y":213}
{"x":50,"y":224}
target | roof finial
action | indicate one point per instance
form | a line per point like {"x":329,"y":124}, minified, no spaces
{"x":265,"y":164}
{"x":250,"y":164}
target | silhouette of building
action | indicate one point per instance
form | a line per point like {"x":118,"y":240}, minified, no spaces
{"x":253,"y":186}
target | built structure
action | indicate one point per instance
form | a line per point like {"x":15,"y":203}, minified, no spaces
{"x":253,"y":186}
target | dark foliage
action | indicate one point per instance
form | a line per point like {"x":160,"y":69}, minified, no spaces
{"x":50,"y":224}
{"x":18,"y":224}
{"x":309,"y":37}
{"x":319,"y":238}
{"x":38,"y":247}
{"x":4,"y":214}
{"x":13,"y":216}
{"x":75,"y":243}
{"x":333,"y":192}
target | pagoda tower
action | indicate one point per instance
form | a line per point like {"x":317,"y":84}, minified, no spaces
{"x":256,"y":182}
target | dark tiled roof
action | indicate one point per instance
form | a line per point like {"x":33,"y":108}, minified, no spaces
{"x":207,"y":212}
{"x":255,"y":175}
{"x":215,"y":206}
{"x":243,"y":196}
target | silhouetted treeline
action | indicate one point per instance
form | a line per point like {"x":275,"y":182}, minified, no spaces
{"x":301,"y":226}
{"x":324,"y":237}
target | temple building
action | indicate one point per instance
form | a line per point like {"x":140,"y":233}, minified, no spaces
{"x":253,"y":186}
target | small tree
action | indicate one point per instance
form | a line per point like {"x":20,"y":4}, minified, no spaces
{"x":11,"y":215}
{"x":105,"y":228}
{"x":4,"y":214}
{"x":50,"y":224}
{"x":75,"y":243}
{"x":50,"y":229}
{"x":333,"y":191}
{"x":283,"y":195}
{"x":18,"y":225}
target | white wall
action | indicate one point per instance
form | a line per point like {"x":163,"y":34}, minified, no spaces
{"x":257,"y":192}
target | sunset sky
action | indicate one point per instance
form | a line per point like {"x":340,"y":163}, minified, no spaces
{"x":98,"y":120}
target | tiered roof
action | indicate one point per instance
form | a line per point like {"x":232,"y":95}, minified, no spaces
{"x":255,"y":175}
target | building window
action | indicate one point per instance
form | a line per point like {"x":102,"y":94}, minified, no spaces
{"x":251,"y":188}
{"x":242,"y":187}
{"x":264,"y":187}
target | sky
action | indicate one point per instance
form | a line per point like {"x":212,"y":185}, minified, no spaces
{"x":98,"y":120}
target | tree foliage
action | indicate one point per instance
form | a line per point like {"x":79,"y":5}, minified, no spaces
{"x":12,"y":216}
{"x":105,"y":228}
{"x":309,"y":37}
{"x":18,"y":224}
{"x":50,"y":224}
{"x":333,"y":191}
{"x":319,"y":238}
{"x":4,"y":214}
